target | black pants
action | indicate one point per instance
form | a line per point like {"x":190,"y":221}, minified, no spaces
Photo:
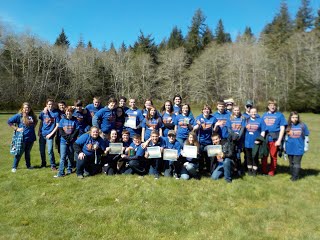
{"x":295,"y":165}
{"x":251,"y":161}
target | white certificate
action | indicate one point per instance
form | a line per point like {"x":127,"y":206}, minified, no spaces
{"x":213,"y":150}
{"x":154,"y":152}
{"x":190,"y":151}
{"x":131,"y":122}
{"x":115,"y":148}
{"x":170,"y":154}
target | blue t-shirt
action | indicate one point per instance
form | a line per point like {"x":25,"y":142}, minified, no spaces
{"x":246,"y":115}
{"x":237,"y":123}
{"x":253,"y":130}
{"x":175,"y":145}
{"x":83,"y":119}
{"x":176,"y":109}
{"x":29,"y":134}
{"x":273,"y":122}
{"x":107,"y":118}
{"x":161,"y":143}
{"x":225,"y":119}
{"x":137,"y":114}
{"x":49,"y":121}
{"x":206,"y":128}
{"x":167,"y":119}
{"x":182,"y":123}
{"x":149,"y":125}
{"x":86,"y":142}
{"x":68,"y":126}
{"x":295,"y":139}
{"x":139,"y":151}
{"x":92,"y":109}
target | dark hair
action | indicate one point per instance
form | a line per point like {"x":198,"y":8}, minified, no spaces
{"x":112,"y":99}
{"x":154,"y":132}
{"x":185,"y":104}
{"x":124,"y":98}
{"x":62,"y":102}
{"x":207,"y":106}
{"x":215,"y":135}
{"x":289,"y":120}
{"x":49,"y":100}
{"x":196,"y":143}
{"x":163,"y":108}
{"x":78,"y":103}
{"x":136,"y":136}
{"x":175,"y":96}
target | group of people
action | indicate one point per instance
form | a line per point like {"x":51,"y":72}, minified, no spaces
{"x":85,"y":138}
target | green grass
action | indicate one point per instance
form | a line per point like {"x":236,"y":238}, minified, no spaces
{"x":34,"y":205}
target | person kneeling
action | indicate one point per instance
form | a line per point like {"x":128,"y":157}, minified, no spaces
{"x":223,"y":163}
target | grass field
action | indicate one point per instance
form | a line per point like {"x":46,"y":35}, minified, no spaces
{"x":34,"y":205}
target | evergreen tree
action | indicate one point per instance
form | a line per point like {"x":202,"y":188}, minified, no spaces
{"x":221,"y":36}
{"x":194,"y":37}
{"x":176,"y":38}
{"x":279,"y":30}
{"x":145,"y":44}
{"x":207,"y":37}
{"x":62,"y":40}
{"x":123,"y":47}
{"x":89,"y":45}
{"x":304,"y":17}
{"x":80,"y":43}
{"x":163,"y":45}
{"x":317,"y":21}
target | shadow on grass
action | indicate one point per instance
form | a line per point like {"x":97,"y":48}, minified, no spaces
{"x":303,"y":172}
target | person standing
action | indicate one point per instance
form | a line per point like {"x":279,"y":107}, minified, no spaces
{"x":48,"y":127}
{"x":275,"y":128}
{"x":296,"y":143}
{"x":24,"y":123}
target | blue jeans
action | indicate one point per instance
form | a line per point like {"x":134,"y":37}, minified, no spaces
{"x":66,"y":150}
{"x":190,"y":170}
{"x":42,"y":144}
{"x":223,"y":169}
{"x":26,"y":151}
{"x":154,"y":166}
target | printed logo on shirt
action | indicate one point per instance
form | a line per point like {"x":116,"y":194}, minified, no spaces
{"x":68,"y":129}
{"x":295,"y":133}
{"x":90,"y":145}
{"x":48,"y":121}
{"x":269,"y":121}
{"x":236,"y":126}
{"x":30,"y":121}
{"x":167,"y":120}
{"x":92,"y":113}
{"x":223,"y":122}
{"x":183,"y":122}
{"x":252,"y":127}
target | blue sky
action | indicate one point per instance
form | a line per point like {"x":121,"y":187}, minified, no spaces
{"x":108,"y":21}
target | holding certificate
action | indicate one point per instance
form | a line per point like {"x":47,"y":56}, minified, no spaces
{"x":171,"y":154}
{"x":190,"y":167}
{"x":214,"y":150}
{"x":153,"y":154}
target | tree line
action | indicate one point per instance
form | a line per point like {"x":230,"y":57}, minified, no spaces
{"x":282,"y":63}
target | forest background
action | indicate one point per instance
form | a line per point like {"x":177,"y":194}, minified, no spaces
{"x":282,"y":63}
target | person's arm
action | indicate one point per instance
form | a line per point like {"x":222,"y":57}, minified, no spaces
{"x":53,"y":131}
{"x":278,"y":142}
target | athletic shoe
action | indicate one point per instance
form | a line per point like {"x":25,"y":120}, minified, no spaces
{"x":13,"y":170}
{"x":58,"y":176}
{"x":69,"y":172}
{"x":53,"y":168}
{"x":175,"y":175}
{"x":156,"y":176}
{"x":80,"y":176}
{"x":30,"y":168}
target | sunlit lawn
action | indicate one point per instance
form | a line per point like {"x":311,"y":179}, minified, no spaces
{"x":34,"y":205}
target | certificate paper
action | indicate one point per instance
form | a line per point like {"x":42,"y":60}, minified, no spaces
{"x":154,"y":152}
{"x":213,"y":150}
{"x":190,"y":151}
{"x":170,"y":154}
{"x":131,"y":122}
{"x":115,"y":148}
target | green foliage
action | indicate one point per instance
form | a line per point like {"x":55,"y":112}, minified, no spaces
{"x":176,"y":39}
{"x":221,"y":36}
{"x":145,"y":44}
{"x":304,"y":18}
{"x":62,"y":40}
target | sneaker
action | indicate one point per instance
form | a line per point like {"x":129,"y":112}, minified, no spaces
{"x":13,"y":170}
{"x":156,"y":176}
{"x":228,"y":180}
{"x":58,"y":176}
{"x":30,"y":168}
{"x":175,"y":175}
{"x":86,"y":174}
{"x":80,"y":176}
{"x":69,"y":172}
{"x":53,"y":168}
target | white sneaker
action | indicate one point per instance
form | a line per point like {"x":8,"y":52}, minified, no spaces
{"x":13,"y":170}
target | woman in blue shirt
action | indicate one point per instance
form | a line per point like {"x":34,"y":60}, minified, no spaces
{"x":151,"y":122}
{"x":296,"y":143}
{"x":168,"y":116}
{"x":25,"y":121}
{"x":184,"y":123}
